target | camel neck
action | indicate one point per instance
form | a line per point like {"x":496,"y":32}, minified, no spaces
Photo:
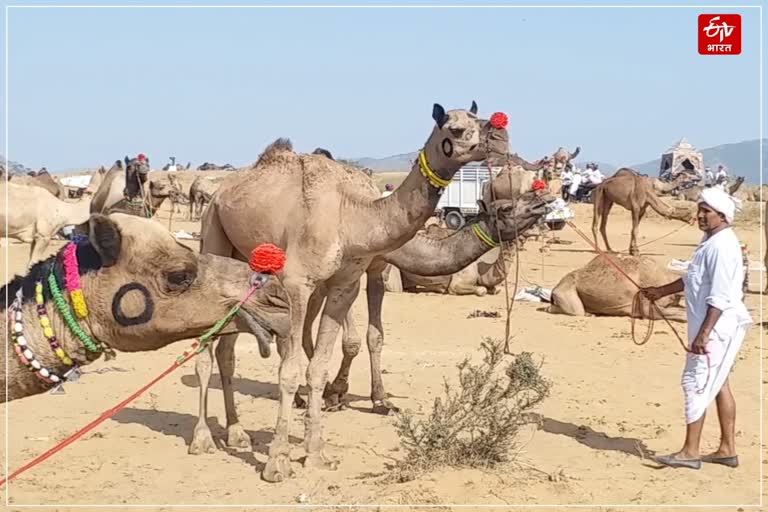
{"x":427,"y":256}
{"x":401,"y":214}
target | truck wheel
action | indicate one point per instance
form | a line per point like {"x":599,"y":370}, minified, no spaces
{"x":454,"y":220}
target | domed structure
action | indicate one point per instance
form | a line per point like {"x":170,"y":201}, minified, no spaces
{"x":682,"y":157}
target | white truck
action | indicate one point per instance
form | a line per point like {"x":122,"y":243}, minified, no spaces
{"x":459,"y":200}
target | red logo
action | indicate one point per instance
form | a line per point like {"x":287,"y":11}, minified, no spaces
{"x":719,"y":34}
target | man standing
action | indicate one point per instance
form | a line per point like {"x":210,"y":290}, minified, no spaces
{"x":717,"y":323}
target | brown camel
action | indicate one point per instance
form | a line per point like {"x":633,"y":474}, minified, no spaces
{"x":693,"y":193}
{"x":635,"y":193}
{"x":200,"y":193}
{"x":422,"y":253}
{"x":143,"y":291}
{"x":332,"y":223}
{"x":176,"y":195}
{"x":36,"y":216}
{"x":121,"y":182}
{"x":428,"y":257}
{"x":514,"y":179}
{"x":146,"y":205}
{"x":599,"y":289}
{"x":559,"y":160}
{"x":44,"y":180}
{"x":480,"y":278}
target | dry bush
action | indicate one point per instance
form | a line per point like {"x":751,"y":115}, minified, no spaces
{"x":475,"y":425}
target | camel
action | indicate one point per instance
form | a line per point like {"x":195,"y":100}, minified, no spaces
{"x":480,"y":278}
{"x":147,"y":205}
{"x":514,"y":179}
{"x":176,"y":195}
{"x":560,"y":159}
{"x":36,"y":216}
{"x":44,"y":180}
{"x":142,"y":290}
{"x":200,"y":193}
{"x":426,"y":254}
{"x":332,"y":224}
{"x":693,"y":193}
{"x":635,"y":193}
{"x":96,"y":179}
{"x":121,"y":182}
{"x":599,"y":289}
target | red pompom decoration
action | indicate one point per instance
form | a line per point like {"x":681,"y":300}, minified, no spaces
{"x":141,"y":157}
{"x":499,"y":120}
{"x":267,"y":259}
{"x":538,"y":185}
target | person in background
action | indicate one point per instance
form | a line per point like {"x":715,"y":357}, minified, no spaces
{"x":566,"y":178}
{"x":717,"y":323}
{"x":388,"y":189}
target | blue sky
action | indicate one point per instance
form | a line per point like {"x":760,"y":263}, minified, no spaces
{"x":88,"y":86}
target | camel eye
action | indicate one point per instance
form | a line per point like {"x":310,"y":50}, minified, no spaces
{"x":457,"y":132}
{"x":180,"y":280}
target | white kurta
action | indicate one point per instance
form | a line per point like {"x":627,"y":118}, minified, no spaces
{"x":714,"y":278}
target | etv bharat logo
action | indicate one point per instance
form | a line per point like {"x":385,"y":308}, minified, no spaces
{"x":719,"y":34}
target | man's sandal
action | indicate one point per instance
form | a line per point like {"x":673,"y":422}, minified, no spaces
{"x":731,"y":462}
{"x":671,"y":461}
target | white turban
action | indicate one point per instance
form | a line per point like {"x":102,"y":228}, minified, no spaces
{"x":720,"y":201}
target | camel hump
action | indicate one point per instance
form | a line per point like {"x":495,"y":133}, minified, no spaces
{"x":274,"y":150}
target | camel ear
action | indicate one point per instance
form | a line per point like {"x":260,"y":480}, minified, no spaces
{"x":473,"y":108}
{"x":105,"y":238}
{"x":438,"y":114}
{"x":127,"y":159}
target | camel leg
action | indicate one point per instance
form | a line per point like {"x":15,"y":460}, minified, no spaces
{"x":225,"y":357}
{"x":566,"y":300}
{"x":278,"y":466}
{"x":38,"y":248}
{"x":314,"y":305}
{"x":604,"y":226}
{"x":467,"y":289}
{"x":202,"y":440}
{"x":633,"y":249}
{"x":335,"y":393}
{"x":340,"y":299}
{"x":375,"y":340}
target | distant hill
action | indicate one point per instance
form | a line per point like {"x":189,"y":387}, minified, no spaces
{"x":400,"y":162}
{"x":739,"y":158}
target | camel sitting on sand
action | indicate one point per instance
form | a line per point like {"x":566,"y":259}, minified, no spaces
{"x":635,"y":193}
{"x":142,"y":290}
{"x":36,"y":216}
{"x":693,"y":193}
{"x":599,"y":289}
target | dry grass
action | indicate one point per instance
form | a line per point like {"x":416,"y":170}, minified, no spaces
{"x":477,"y":424}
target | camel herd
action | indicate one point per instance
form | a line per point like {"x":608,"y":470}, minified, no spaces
{"x":144,"y":290}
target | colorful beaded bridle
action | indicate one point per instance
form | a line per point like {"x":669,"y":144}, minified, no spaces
{"x":16,"y":317}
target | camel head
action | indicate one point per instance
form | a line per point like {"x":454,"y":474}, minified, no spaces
{"x":144,"y":290}
{"x":460,"y":137}
{"x":511,"y":218}
{"x":136,"y":172}
{"x":159,"y":189}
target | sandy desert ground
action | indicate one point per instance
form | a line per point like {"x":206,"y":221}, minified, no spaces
{"x":611,"y":402}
